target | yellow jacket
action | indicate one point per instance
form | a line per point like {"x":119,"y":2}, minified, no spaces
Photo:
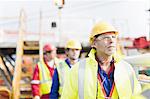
{"x":124,"y":78}
{"x":63,"y":70}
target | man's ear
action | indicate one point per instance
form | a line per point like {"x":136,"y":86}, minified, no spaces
{"x":66,"y":51}
{"x":93,"y":45}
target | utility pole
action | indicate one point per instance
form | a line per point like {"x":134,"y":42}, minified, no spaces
{"x":59,"y":4}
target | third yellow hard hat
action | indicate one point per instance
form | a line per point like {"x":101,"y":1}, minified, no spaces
{"x":73,"y":44}
{"x":100,"y":28}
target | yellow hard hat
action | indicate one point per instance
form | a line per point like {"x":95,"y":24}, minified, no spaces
{"x":100,"y":28}
{"x":73,"y":44}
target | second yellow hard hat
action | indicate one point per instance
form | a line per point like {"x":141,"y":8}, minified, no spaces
{"x":73,"y":44}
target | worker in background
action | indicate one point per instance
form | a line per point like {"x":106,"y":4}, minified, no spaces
{"x":42,"y":76}
{"x":73,"y":49}
{"x":103,"y":75}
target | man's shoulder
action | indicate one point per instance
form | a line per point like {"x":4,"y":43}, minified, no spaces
{"x":123,"y":62}
{"x":81,"y":62}
{"x":123,"y":65}
{"x":61,"y":65}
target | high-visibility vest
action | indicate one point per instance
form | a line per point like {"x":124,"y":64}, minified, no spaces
{"x":100,"y":90}
{"x":45,"y":79}
{"x":63,"y":70}
{"x":82,"y":80}
{"x":120,"y":68}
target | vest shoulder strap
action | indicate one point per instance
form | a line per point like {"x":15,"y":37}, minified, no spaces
{"x":81,"y":72}
{"x":131,"y":77}
{"x":61,"y":71}
{"x":42,"y":69}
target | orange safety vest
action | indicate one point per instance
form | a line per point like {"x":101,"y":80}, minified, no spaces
{"x":45,"y":78}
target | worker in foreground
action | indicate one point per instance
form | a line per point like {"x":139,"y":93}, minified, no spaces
{"x":42,"y":77}
{"x":73,"y":49}
{"x":103,"y":75}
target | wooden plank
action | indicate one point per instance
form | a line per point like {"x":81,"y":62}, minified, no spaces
{"x":19,"y":54}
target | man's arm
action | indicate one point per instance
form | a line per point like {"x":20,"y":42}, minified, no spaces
{"x":55,"y":86}
{"x":35,"y":82}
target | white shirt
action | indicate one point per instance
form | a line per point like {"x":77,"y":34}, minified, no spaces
{"x":51,"y":63}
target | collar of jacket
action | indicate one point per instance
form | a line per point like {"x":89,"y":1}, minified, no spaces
{"x":92,"y":54}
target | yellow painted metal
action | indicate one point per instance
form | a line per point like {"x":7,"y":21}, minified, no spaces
{"x":19,"y":54}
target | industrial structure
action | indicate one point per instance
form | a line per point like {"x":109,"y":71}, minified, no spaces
{"x":21,"y":41}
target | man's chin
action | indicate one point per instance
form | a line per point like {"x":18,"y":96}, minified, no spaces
{"x":74,"y":58}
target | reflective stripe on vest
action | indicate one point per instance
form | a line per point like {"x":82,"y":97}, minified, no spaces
{"x":35,"y":82}
{"x":45,"y":79}
{"x":146,"y":94}
{"x":81,"y":71}
{"x":62,"y":70}
{"x":130,"y":77}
